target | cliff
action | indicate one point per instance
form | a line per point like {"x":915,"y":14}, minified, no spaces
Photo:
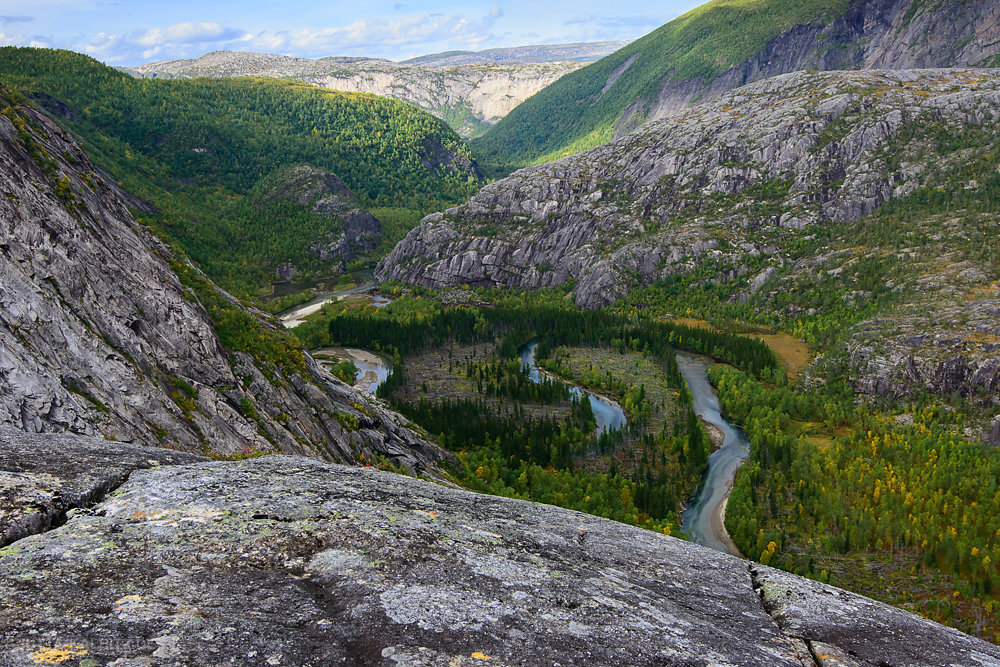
{"x":723,"y":45}
{"x":99,"y":335}
{"x":470,"y":95}
{"x":290,"y":561}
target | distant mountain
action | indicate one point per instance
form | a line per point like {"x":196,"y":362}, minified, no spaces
{"x":728,"y":43}
{"x":541,"y":53}
{"x":468,"y":90}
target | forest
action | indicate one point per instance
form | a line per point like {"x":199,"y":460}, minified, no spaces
{"x":195,"y":149}
{"x":839,"y":491}
{"x":640,"y":475}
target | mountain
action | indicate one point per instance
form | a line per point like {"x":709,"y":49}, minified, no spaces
{"x":291,"y":561}
{"x":195,"y":150}
{"x":106,"y":330}
{"x":539,"y":53}
{"x":468,"y":90}
{"x":809,"y":202}
{"x":728,"y":43}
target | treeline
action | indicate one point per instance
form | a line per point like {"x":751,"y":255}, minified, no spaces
{"x":920,"y":493}
{"x":195,"y":148}
{"x":409,"y":325}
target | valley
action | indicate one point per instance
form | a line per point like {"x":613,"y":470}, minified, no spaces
{"x":734,"y":284}
{"x":470,"y":91}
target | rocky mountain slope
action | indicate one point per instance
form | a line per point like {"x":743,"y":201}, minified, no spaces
{"x":470,"y":92}
{"x":284,"y":560}
{"x":352,"y":231}
{"x":581,"y":52}
{"x":106,"y":330}
{"x":729,"y":43}
{"x":745,"y":191}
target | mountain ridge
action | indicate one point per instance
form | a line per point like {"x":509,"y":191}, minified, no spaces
{"x":726,"y":44}
{"x":469,"y":90}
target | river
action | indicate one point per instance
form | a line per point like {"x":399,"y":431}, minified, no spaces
{"x":372,"y":369}
{"x":608,"y":413}
{"x":295,"y":316}
{"x":704,"y":517}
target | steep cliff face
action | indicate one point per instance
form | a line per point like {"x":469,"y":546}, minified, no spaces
{"x":468,"y":96}
{"x":290,"y":561}
{"x":98,"y":335}
{"x":869,"y":34}
{"x":735,"y":184}
{"x":723,"y":45}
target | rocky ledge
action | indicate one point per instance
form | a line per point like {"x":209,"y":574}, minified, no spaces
{"x":290,"y":561}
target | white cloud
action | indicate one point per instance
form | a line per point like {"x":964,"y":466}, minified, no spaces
{"x":387,"y":36}
{"x":188,"y":33}
{"x":23,"y":40}
{"x":380,"y":34}
{"x":180,"y":40}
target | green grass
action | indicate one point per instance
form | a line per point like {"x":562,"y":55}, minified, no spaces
{"x":572,"y":114}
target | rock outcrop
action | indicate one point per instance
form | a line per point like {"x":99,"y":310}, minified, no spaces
{"x":721,"y":46}
{"x":869,"y":35}
{"x":786,"y":153}
{"x":98,"y":335}
{"x":352,"y":231}
{"x":290,"y":561}
{"x":468,"y":96}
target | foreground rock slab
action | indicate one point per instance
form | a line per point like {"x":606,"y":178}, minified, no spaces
{"x":42,"y":477}
{"x":290,"y":561}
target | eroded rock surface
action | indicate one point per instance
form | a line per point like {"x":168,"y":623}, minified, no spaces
{"x":42,"y":477}
{"x":291,"y":561}
{"x":789,"y":152}
{"x":98,"y":336}
{"x":870,"y":34}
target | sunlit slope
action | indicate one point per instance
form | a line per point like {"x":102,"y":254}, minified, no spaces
{"x":196,"y":148}
{"x":580,"y":110}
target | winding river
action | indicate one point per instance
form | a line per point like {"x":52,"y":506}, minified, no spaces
{"x":608,"y":413}
{"x":704,"y":517}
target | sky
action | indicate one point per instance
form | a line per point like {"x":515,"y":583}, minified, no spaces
{"x":133,"y":32}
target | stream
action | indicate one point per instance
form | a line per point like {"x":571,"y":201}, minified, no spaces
{"x":703,"y":519}
{"x":372,"y":369}
{"x":295,"y":316}
{"x":608,"y":413}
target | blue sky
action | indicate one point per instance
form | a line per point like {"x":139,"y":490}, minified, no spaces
{"x":131,"y":32}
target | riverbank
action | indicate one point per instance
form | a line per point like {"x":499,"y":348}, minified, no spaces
{"x":793,"y":354}
{"x":704,"y":519}
{"x":372,"y":369}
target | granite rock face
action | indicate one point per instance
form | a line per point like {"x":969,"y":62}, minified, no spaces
{"x":290,"y":561}
{"x":870,"y":35}
{"x":42,"y":477}
{"x":790,"y":152}
{"x":99,"y":337}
